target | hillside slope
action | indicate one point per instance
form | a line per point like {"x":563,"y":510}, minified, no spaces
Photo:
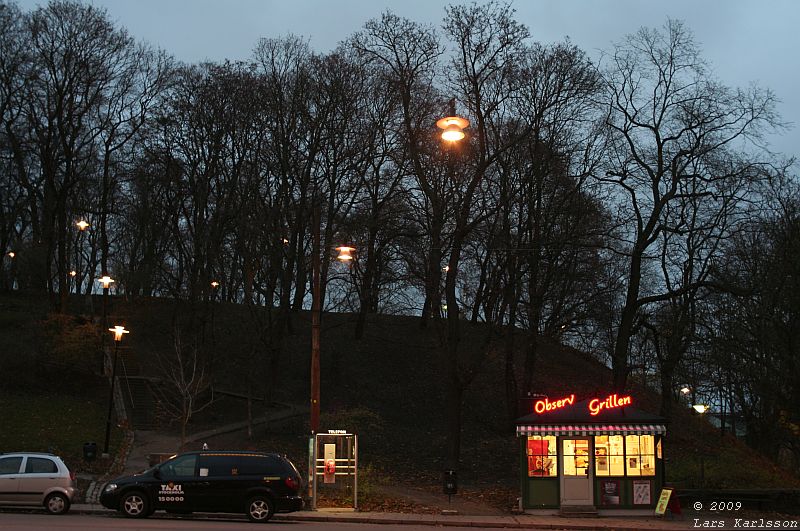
{"x":389,"y":388}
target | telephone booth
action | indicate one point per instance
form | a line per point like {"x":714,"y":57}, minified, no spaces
{"x":334,"y":483}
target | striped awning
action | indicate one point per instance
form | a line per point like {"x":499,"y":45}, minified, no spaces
{"x":592,"y":429}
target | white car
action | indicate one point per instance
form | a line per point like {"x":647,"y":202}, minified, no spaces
{"x":38,"y":479}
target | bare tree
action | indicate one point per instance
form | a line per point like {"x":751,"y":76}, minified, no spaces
{"x":673,"y":135}
{"x":186,"y":388}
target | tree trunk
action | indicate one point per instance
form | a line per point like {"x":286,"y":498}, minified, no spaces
{"x":619,"y":358}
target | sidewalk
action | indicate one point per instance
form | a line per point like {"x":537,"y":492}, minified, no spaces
{"x":525,"y":521}
{"x":150,"y":442}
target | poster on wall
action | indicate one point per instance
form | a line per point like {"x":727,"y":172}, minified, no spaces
{"x":602,"y":461}
{"x":609,"y":490}
{"x":641,"y":492}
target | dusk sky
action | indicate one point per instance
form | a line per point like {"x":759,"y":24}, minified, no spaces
{"x":744,"y":40}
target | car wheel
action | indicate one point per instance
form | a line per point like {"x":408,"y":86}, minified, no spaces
{"x":260,"y":509}
{"x":56,"y":503}
{"x":134,"y":505}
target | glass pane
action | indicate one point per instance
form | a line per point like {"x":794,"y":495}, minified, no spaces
{"x":218,"y":465}
{"x":632,"y":445}
{"x":180,"y":466}
{"x":601,"y":455}
{"x":541,"y":452}
{"x":647,"y":445}
{"x":40,"y":465}
{"x":648,"y":465}
{"x":576,"y":457}
{"x":633,"y":465}
{"x":616,"y":466}
{"x":10,"y":465}
{"x":569,"y":466}
{"x":615,"y":445}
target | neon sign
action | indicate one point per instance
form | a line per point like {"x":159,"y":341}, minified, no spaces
{"x":545,"y":405}
{"x":596,"y":405}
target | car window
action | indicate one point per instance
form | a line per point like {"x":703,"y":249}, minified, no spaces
{"x":10,"y":465}
{"x":219,"y":465}
{"x":260,"y":465}
{"x":40,"y":465}
{"x":183,"y":465}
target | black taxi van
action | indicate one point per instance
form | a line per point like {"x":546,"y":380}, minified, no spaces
{"x":258,"y":484}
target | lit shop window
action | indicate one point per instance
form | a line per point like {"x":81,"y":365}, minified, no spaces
{"x":609,"y":455}
{"x":576,"y":457}
{"x":640,"y":457}
{"x":542,"y":456}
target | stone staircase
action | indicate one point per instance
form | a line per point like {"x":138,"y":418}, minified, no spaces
{"x":139,"y":402}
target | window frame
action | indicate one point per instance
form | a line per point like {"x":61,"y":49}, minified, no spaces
{"x":549,"y":460}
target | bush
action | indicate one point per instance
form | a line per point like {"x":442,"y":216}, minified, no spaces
{"x":71,"y":342}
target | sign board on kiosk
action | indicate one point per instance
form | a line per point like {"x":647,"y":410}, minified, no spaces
{"x":663,"y":501}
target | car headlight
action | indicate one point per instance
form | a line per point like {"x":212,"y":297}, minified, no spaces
{"x":111,"y":487}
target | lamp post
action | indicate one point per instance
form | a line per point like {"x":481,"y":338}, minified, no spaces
{"x":11,"y":255}
{"x":82,"y":226}
{"x":118,"y":333}
{"x":106,"y":281}
{"x":345,"y":255}
{"x":701,"y":409}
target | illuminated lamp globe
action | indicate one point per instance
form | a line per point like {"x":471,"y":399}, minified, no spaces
{"x":453,"y":127}
{"x":700,"y":408}
{"x":118,"y":331}
{"x":345,"y":253}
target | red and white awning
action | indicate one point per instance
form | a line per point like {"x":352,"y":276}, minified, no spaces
{"x":592,"y":429}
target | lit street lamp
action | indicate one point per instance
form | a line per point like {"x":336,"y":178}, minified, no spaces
{"x":701,"y":409}
{"x":345,"y":255}
{"x":452,"y":126}
{"x":106,"y":281}
{"x":82,"y":226}
{"x":118,"y":333}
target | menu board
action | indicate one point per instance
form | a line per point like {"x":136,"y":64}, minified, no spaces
{"x":663,"y":501}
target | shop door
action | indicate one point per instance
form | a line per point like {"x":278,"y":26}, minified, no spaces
{"x":576,"y":472}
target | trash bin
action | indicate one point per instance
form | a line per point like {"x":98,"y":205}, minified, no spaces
{"x":450,"y":483}
{"x":90,"y":451}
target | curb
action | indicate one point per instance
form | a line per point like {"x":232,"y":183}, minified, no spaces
{"x":508,"y":522}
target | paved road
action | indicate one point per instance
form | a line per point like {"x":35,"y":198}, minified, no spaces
{"x":77,"y":522}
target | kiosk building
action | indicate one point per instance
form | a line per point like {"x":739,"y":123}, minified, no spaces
{"x":596,"y":455}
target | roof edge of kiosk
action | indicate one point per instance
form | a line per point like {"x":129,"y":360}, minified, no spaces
{"x":578,"y":419}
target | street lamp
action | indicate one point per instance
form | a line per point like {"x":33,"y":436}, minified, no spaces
{"x":345,"y":255}
{"x":701,"y":409}
{"x":106,"y":281}
{"x":118,"y":333}
{"x":452,"y":126}
{"x":82,"y":226}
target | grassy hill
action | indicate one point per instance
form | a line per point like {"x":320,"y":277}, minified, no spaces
{"x":388,"y":387}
